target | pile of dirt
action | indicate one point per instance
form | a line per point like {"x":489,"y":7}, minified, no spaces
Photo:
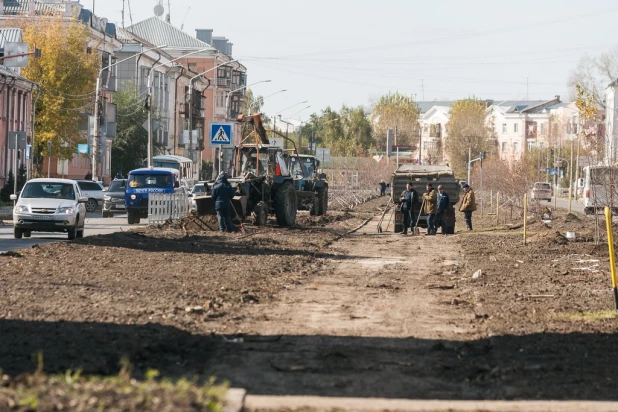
{"x":324,"y":220}
{"x":551,"y":237}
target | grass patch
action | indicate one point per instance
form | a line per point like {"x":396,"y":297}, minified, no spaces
{"x":73,"y":392}
{"x":590,"y":316}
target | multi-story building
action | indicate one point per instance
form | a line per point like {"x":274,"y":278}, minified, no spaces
{"x":434,"y":117}
{"x":209,"y":57}
{"x":103,"y":41}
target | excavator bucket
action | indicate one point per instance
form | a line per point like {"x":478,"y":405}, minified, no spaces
{"x":258,"y":125}
{"x":205,"y":205}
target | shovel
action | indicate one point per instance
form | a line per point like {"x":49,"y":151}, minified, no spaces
{"x":242,"y":226}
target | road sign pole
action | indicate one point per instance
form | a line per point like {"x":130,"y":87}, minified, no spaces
{"x":97,"y":131}
{"x":15,"y":165}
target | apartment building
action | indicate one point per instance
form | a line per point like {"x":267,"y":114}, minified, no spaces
{"x":103,"y":41}
{"x":208,"y":58}
{"x":434,"y":117}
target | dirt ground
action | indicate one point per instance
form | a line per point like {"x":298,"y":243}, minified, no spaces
{"x":324,"y":310}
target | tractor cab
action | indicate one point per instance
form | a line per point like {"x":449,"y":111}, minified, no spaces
{"x":261,"y":160}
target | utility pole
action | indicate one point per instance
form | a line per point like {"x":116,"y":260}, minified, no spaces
{"x":571,"y":178}
{"x":97,"y":131}
{"x":123,"y":1}
{"x":469,"y":164}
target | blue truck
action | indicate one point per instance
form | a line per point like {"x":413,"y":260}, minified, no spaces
{"x":142,"y":182}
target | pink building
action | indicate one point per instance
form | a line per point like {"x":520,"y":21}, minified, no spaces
{"x":16,"y":97}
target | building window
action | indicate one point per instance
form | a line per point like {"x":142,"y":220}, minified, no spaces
{"x":541,"y":145}
{"x":531,"y":146}
{"x":542,"y":128}
{"x":503,"y":147}
{"x":503,"y":128}
{"x":516,"y":147}
{"x":516,"y":127}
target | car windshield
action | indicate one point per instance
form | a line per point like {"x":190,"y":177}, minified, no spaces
{"x":117,"y":186}
{"x":542,"y":186}
{"x":41,"y":190}
{"x":198,"y":189}
{"x":155,"y":180}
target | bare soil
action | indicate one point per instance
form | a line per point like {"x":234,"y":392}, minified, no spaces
{"x":322,"y":309}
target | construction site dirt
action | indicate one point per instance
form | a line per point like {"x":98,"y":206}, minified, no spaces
{"x":330,"y":308}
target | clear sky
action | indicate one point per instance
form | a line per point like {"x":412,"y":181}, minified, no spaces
{"x":334,"y":52}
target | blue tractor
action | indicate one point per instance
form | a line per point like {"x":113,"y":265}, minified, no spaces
{"x":311,"y":186}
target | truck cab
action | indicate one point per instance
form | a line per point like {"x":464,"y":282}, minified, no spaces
{"x":142,"y":182}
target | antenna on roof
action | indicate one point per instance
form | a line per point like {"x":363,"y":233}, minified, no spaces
{"x":159,"y":9}
{"x":182,"y":26}
{"x":168,"y":17}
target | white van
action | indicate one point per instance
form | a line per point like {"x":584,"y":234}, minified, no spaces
{"x":600,"y":188}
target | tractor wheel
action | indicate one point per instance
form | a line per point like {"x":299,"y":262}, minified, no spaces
{"x":259,"y":214}
{"x":322,"y":200}
{"x":285,"y":205}
{"x":315,"y":207}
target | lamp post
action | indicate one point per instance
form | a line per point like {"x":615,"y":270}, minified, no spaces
{"x":281,"y":111}
{"x":149,"y":98}
{"x":97,"y":114}
{"x":264,"y":98}
{"x":227,"y":100}
{"x":191,"y":100}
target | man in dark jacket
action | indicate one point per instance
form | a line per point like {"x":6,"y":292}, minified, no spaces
{"x":222,"y":193}
{"x":382,"y":188}
{"x":407,"y":199}
{"x":443,"y":203}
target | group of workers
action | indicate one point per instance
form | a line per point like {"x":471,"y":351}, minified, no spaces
{"x":435,"y":206}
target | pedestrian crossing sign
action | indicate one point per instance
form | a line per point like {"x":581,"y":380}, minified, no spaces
{"x":221,"y":134}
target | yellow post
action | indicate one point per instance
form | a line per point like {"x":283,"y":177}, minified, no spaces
{"x":525,"y":215}
{"x":612,"y":258}
{"x":498,"y":209}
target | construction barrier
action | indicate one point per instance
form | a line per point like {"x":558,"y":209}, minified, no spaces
{"x":163,"y":207}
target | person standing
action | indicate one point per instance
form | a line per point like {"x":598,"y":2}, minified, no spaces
{"x":382,"y":188}
{"x":88,"y":176}
{"x":407,"y":199}
{"x":222,"y":193}
{"x":431,"y":207}
{"x":468,"y":205}
{"x":443,"y":204}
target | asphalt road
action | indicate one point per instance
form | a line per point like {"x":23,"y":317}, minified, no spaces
{"x":563,"y":203}
{"x":95,"y":225}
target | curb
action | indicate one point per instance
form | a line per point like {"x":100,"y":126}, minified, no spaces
{"x":234,"y":400}
{"x":317,"y":403}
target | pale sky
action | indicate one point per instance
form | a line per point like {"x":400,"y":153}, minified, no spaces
{"x":334,"y":52}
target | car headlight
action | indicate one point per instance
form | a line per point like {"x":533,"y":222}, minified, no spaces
{"x":107,"y":197}
{"x":66,"y":210}
{"x":21,"y":209}
{"x":133,"y":197}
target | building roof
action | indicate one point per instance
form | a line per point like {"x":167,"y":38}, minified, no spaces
{"x":424,"y":107}
{"x":9,"y":36}
{"x":158,"y":32}
{"x":21,"y":7}
{"x":8,"y":72}
{"x":527,"y":106}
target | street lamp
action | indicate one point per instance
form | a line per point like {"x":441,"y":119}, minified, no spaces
{"x":149,"y":97}
{"x":264,"y":98}
{"x":97,"y":114}
{"x":303,"y":109}
{"x":227,"y":100}
{"x":191,"y":93}
{"x":287,"y":125}
{"x":281,"y":111}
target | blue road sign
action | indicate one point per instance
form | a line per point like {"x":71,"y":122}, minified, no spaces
{"x":221,"y":134}
{"x":82,"y":148}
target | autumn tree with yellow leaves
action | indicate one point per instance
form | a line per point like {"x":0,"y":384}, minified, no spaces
{"x":66,"y":70}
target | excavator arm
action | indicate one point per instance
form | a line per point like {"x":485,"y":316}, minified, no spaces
{"x":258,"y":125}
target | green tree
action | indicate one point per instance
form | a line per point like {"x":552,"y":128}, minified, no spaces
{"x":67,"y":73}
{"x":8,"y":188}
{"x":396,"y":110}
{"x":21,"y":176}
{"x":467,"y":130}
{"x":130,"y":146}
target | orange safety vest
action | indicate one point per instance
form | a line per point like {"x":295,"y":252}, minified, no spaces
{"x":278,"y":170}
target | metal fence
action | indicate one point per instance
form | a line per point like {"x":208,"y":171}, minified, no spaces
{"x":163,"y":207}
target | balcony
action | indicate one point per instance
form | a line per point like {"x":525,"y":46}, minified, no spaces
{"x":227,"y":83}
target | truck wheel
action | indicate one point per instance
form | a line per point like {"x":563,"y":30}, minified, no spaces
{"x":259,"y":214}
{"x":130,"y":218}
{"x":285,"y":205}
{"x":323,"y":200}
{"x":315,"y":207}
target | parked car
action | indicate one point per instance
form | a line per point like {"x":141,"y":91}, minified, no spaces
{"x":198,"y":190}
{"x":49,"y":205}
{"x":541,"y":191}
{"x":93,"y":191}
{"x":113,"y":200}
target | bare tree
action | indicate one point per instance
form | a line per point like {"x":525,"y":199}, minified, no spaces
{"x":593,"y":74}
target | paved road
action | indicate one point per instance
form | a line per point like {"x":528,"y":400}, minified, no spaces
{"x":95,"y":225}
{"x":563,"y":203}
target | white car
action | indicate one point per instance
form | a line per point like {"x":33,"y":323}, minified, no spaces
{"x":198,"y":190}
{"x":93,"y":191}
{"x":49,"y":205}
